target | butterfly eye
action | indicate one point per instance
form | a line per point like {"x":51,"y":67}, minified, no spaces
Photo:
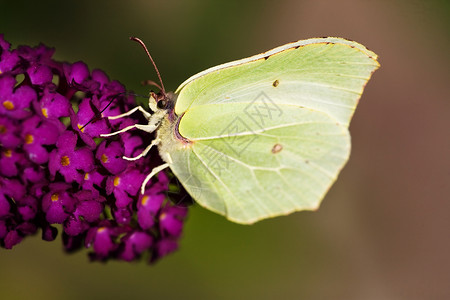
{"x":162,"y":104}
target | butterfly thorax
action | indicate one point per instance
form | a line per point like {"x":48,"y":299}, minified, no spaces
{"x":168,"y":134}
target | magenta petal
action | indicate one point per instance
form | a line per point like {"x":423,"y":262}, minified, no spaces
{"x":7,"y":84}
{"x":79,"y":128}
{"x":77,"y":72}
{"x":100,"y":77}
{"x":33,"y":175}
{"x":132,"y":145}
{"x":40,"y":74}
{"x":10,"y":161}
{"x":84,"y":159}
{"x":9,"y":132}
{"x":37,"y":154}
{"x":21,"y":99}
{"x":28,"y":207}
{"x":4,"y":206}
{"x":49,"y":233}
{"x":11,"y":239}
{"x":135,"y":244}
{"x":170,"y":224}
{"x":128,"y":181}
{"x":146,"y":219}
{"x":122,"y":198}
{"x":90,"y":210}
{"x":8,"y":60}
{"x":74,"y":226}
{"x":4,"y":45}
{"x":87,"y":114}
{"x":3,"y":229}
{"x":93,"y":180}
{"x":57,"y":203}
{"x":165,"y":246}
{"x":131,"y":181}
{"x":12,"y":187}
{"x":171,"y":220}
{"x":26,"y":228}
{"x":67,"y":141}
{"x":123,"y":215}
{"x":53,"y":105}
{"x":103,"y":243}
{"x":47,"y":133}
{"x":110,"y":156}
{"x":54,"y":162}
{"x":56,"y":214}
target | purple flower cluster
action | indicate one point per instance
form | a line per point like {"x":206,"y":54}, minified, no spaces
{"x":55,"y":170}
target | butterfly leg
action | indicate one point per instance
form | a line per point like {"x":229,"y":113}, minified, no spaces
{"x":120,"y":131}
{"x":153,"y":122}
{"x":146,"y":114}
{"x":144,"y":153}
{"x":148,"y":128}
{"x":155,"y":171}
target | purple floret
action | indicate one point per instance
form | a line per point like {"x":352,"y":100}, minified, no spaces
{"x":70,"y":161}
{"x":38,"y":133}
{"x":15,"y":103}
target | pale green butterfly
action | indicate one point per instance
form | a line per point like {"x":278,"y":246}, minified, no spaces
{"x":262,"y":136}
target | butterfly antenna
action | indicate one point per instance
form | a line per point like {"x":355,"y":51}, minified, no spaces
{"x":151,"y":82}
{"x":151,"y":59}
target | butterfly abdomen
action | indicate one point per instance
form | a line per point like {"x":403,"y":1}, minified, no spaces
{"x":171,"y":140}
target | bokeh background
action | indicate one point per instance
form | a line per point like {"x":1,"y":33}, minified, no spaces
{"x":382,"y":232}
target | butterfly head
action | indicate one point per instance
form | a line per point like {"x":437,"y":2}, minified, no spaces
{"x":161,"y":101}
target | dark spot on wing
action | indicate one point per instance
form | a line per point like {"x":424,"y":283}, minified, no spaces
{"x":275,"y":83}
{"x":276,"y":148}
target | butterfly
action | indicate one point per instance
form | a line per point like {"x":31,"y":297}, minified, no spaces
{"x":263,"y":136}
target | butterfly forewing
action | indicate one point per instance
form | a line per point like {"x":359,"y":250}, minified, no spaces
{"x":269,"y":134}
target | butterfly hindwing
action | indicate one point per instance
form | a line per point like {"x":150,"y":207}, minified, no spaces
{"x":251,"y":171}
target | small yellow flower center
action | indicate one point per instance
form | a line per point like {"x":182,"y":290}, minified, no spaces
{"x":2,"y":129}
{"x":44,"y":112}
{"x":116,"y":181}
{"x":65,"y":161}
{"x":144,"y":200}
{"x":80,"y":127}
{"x":7,"y":153}
{"x":162,"y":216}
{"x":55,"y":197}
{"x":104,"y":158}
{"x":86,"y":176}
{"x":8,"y":105}
{"x":29,"y":139}
{"x":101,"y":229}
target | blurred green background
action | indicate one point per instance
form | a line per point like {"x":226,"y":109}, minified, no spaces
{"x":382,"y":232}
